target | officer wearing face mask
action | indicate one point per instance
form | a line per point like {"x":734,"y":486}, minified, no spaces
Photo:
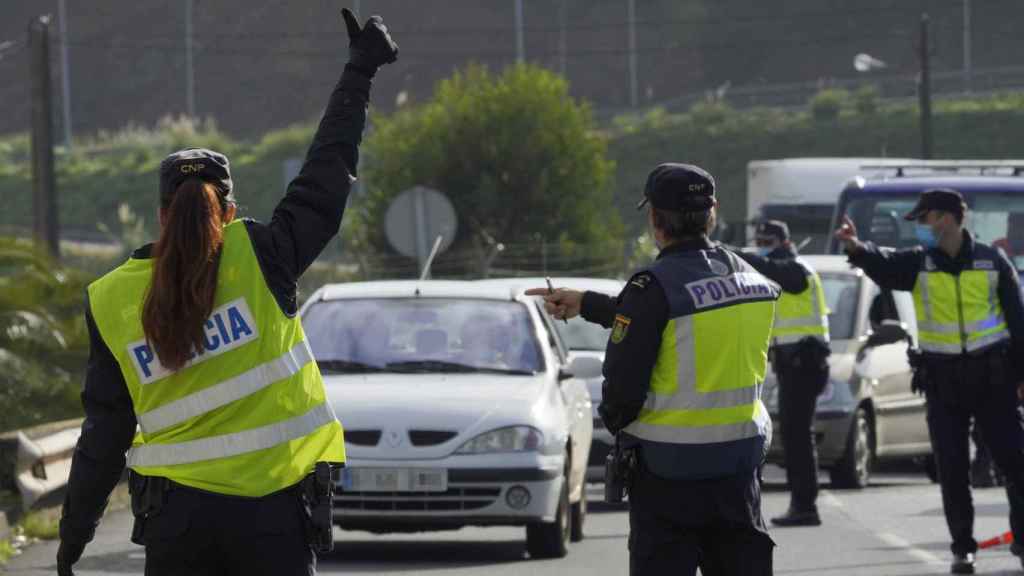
{"x":971,"y":336}
{"x":799,"y":353}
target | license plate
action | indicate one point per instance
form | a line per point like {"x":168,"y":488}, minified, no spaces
{"x":394,"y":480}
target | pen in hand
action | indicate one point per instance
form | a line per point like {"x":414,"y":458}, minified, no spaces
{"x":551,"y":290}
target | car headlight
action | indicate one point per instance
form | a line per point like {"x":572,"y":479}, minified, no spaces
{"x":511,"y":439}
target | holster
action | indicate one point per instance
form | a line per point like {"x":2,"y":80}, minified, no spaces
{"x":317,"y":491}
{"x":148,"y":494}
{"x":620,"y":468}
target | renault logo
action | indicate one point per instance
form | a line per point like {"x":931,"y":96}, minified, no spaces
{"x":393,"y":438}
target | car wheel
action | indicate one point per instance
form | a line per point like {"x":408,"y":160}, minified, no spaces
{"x":551,"y":539}
{"x":854,"y":469}
{"x":578,"y":517}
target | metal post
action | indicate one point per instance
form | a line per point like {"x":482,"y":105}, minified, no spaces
{"x":65,"y":70}
{"x":44,"y":200}
{"x":968,"y":68}
{"x":632,"y":54}
{"x":563,"y":45}
{"x":520,"y":42}
{"x":924,"y":92}
{"x":190,"y":79}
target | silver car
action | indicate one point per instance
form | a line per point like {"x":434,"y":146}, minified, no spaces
{"x":585,"y":340}
{"x":867,"y":411}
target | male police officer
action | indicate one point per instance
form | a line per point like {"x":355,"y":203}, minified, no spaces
{"x":971,"y":329}
{"x":799,"y":356}
{"x":684,"y":369}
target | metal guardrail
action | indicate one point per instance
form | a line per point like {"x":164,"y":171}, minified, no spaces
{"x":43,"y":465}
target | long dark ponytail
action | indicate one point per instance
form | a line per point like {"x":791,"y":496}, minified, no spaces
{"x":181,"y":296}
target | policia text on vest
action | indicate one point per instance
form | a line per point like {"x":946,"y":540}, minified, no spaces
{"x":970,"y":321}
{"x":230,"y":468}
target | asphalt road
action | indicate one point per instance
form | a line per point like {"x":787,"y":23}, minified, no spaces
{"x":894,"y":528}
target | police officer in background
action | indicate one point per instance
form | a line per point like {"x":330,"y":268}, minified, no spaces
{"x":799,"y":354}
{"x":683,"y":375}
{"x":970,"y":323}
{"x":195,"y":340}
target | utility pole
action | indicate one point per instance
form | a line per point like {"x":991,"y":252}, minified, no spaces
{"x":65,"y":70}
{"x":563,"y":45}
{"x":968,"y":69}
{"x":632,"y":53}
{"x":520,"y":42}
{"x":924,"y":91}
{"x":44,"y":200}
{"x":190,"y":73}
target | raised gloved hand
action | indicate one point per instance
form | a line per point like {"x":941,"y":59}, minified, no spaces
{"x":67,"y":555}
{"x":370,"y":47}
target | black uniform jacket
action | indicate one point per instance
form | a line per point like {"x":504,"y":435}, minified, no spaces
{"x":781,"y":267}
{"x":302,"y":224}
{"x":629,"y":362}
{"x":898,"y":270}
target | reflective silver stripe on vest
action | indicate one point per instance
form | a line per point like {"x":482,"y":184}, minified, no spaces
{"x":226,"y":392}
{"x":937,"y":348}
{"x":703,"y":434}
{"x":686,"y":396}
{"x":796,"y":338}
{"x":989,"y":340}
{"x":150,"y":455}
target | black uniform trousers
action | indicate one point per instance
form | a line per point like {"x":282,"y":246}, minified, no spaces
{"x":677,"y":526}
{"x":802,"y":374}
{"x":203,"y":534}
{"x":957,"y":389}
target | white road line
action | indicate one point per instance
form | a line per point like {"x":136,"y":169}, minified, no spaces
{"x":831,"y":499}
{"x":918,"y":553}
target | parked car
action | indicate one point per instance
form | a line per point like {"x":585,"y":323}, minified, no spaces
{"x":459,"y":407}
{"x":584,"y":340}
{"x":867,"y":411}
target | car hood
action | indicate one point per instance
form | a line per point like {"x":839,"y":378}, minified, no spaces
{"x":461,"y":405}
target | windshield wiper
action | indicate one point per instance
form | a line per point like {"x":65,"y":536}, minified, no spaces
{"x":347,"y":367}
{"x":445,"y":366}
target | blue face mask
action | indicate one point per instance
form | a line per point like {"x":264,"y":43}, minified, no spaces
{"x":765,"y":251}
{"x":926,"y":235}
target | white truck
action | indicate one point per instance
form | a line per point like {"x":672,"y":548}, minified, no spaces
{"x":803,"y":193}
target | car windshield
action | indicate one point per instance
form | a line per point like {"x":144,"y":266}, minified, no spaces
{"x":841,"y":296}
{"x":995,"y":218}
{"x":422,"y":335}
{"x":578,"y":334}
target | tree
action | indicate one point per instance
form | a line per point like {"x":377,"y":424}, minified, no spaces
{"x":521,"y":162}
{"x":43,"y":339}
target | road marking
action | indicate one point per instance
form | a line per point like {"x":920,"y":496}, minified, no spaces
{"x":831,"y":499}
{"x":918,"y":553}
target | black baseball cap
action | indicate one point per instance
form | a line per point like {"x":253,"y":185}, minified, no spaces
{"x":200,"y":163}
{"x":679,"y":188}
{"x":772,"y":230}
{"x":944,"y":199}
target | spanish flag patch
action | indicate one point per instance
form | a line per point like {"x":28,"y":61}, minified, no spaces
{"x":620,"y":328}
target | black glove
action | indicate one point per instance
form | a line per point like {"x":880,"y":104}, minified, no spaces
{"x":67,"y":555}
{"x":370,"y":47}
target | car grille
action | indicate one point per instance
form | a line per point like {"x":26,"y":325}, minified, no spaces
{"x":362,"y":437}
{"x":430,"y":437}
{"x":454,"y":500}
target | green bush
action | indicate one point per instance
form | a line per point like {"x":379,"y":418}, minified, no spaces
{"x":826,"y":105}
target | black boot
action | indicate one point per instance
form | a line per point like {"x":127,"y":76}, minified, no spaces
{"x":962,"y":564}
{"x":797,"y":518}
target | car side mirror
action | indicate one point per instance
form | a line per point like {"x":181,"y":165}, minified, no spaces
{"x":585,"y":367}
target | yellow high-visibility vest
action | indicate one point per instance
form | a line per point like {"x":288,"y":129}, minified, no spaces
{"x":803,"y":315}
{"x":959,"y":314}
{"x":248,"y":415}
{"x":707,"y":380}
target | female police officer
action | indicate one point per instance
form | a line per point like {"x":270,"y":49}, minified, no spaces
{"x":195,"y":340}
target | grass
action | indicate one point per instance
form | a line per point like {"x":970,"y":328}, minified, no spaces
{"x":6,"y":551}
{"x":41,"y":524}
